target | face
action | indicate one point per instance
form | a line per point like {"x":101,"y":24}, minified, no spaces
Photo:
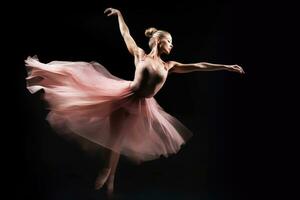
{"x":165,"y":44}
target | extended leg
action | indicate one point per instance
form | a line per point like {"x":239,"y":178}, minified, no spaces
{"x":114,"y":163}
{"x":116,"y":121}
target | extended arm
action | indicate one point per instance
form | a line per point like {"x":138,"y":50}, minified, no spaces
{"x":130,"y":43}
{"x":176,"y":67}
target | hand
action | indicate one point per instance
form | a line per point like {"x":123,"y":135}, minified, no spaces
{"x":111,"y":11}
{"x":236,"y":68}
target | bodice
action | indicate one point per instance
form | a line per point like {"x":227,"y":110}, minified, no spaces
{"x":148,"y":78}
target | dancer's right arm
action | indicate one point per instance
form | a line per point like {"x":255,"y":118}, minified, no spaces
{"x":130,"y":43}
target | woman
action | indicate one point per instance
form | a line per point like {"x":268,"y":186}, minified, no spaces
{"x":86,"y":100}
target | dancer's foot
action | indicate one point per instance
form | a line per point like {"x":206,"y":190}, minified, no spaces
{"x":102,"y":178}
{"x":110,"y":186}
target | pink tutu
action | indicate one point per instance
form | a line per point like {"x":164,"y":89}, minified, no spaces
{"x":86,"y":100}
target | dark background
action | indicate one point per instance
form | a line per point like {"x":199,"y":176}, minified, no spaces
{"x":236,"y":150}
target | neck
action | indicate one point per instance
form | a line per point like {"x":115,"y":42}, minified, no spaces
{"x":155,"y":53}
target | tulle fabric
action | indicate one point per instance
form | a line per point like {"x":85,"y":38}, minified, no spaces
{"x":85,"y":99}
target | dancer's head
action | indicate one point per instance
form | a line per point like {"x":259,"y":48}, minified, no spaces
{"x":162,"y":40}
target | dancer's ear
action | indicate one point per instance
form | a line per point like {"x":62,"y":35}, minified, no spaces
{"x":156,"y":42}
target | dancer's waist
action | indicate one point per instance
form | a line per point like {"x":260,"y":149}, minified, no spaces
{"x":142,"y":92}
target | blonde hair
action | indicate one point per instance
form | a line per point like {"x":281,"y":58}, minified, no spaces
{"x":153,"y":33}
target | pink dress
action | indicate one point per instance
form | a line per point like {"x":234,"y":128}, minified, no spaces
{"x":87,"y":100}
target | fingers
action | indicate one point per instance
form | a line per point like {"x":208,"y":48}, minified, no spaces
{"x":108,"y":11}
{"x":238,"y":69}
{"x":241,"y":71}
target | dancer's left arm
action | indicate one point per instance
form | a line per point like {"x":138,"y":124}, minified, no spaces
{"x":176,"y":67}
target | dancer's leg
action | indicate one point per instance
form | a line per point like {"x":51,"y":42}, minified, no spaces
{"x":114,"y":158}
{"x":116,"y":121}
{"x":109,"y":170}
{"x":102,"y":178}
{"x":110,"y":181}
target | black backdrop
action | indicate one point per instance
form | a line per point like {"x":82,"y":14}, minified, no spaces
{"x":231,"y":115}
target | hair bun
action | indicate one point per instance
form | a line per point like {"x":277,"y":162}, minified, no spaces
{"x":150,"y":31}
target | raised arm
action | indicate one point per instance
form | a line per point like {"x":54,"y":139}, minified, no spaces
{"x":130,"y":43}
{"x":176,"y":67}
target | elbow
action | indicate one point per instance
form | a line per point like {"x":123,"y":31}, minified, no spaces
{"x":125,"y":32}
{"x":202,"y":65}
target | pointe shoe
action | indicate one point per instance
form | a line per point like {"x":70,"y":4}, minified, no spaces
{"x":102,"y":178}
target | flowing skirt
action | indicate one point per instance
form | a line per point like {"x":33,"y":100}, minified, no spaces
{"x":85,"y":99}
